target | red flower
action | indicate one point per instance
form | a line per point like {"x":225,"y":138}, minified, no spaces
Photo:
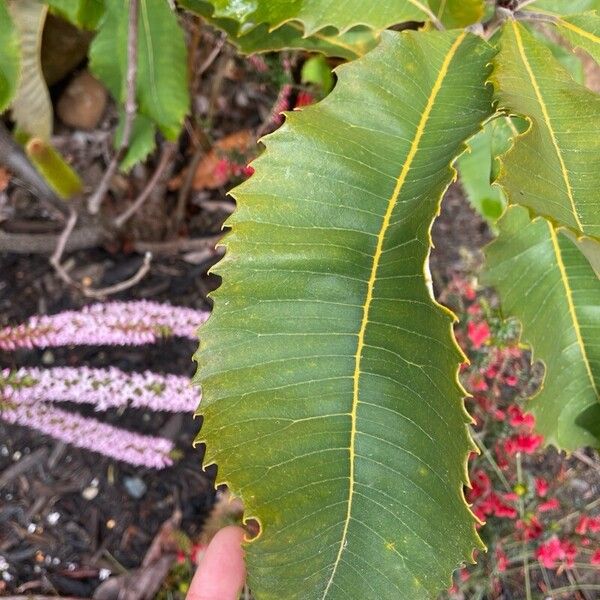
{"x":570,"y":551}
{"x":474,"y":309}
{"x":478,"y":333}
{"x":469,"y":292}
{"x":511,"y":380}
{"x":549,"y":552}
{"x":464,"y":574}
{"x":304,"y":99}
{"x":492,"y":371}
{"x":480,"y":485}
{"x":549,"y":505}
{"x":531,"y":528}
{"x":541,"y":486}
{"x":518,"y":417}
{"x":501,"y":560}
{"x":523,"y":442}
{"x":587,"y":523}
{"x":477,"y":383}
{"x":595,"y":559}
{"x":594,"y":524}
{"x":248,"y":170}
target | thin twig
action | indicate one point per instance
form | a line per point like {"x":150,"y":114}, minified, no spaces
{"x":56,"y":262}
{"x":167,"y":153}
{"x":95,"y":200}
{"x":210,"y":59}
{"x":203,"y":148}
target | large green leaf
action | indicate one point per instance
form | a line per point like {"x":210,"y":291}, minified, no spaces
{"x":328,"y":372}
{"x":317,"y":14}
{"x":583,"y":31}
{"x":458,"y":13}
{"x":10,"y":57}
{"x":545,"y":281}
{"x":31,"y":107}
{"x":564,"y":7}
{"x":161,"y":83}
{"x":290,"y":35}
{"x":553,"y":167}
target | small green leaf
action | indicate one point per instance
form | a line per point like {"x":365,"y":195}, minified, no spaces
{"x":85,"y":14}
{"x":316,"y":70}
{"x":545,"y":281}
{"x":31,"y":107}
{"x":564,"y":7}
{"x":582,"y":31}
{"x":141,"y":144}
{"x":328,"y":372}
{"x":161,"y":82}
{"x":458,"y":13}
{"x":552,"y":168}
{"x":10,"y":57}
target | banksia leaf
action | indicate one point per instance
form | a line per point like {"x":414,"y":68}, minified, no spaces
{"x":546,"y":282}
{"x":330,"y":399}
{"x":553,"y":167}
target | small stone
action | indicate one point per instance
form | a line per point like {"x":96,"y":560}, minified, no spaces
{"x":31,"y":528}
{"x":53,"y":518}
{"x":17,"y":455}
{"x":48,"y":357}
{"x":103,"y":574}
{"x":90,"y":492}
{"x":4,"y":451}
{"x":135,"y":487}
{"x":82,"y":103}
{"x":110,"y":524}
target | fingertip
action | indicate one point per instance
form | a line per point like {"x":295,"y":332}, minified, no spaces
{"x":222,"y":572}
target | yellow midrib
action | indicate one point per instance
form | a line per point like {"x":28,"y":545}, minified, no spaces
{"x":371,"y":284}
{"x":546,"y":116}
{"x":582,"y":32}
{"x":571,"y":304}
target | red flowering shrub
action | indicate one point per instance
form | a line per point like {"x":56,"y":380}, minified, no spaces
{"x":527,"y":518}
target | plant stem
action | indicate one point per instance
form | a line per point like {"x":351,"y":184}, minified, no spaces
{"x":524,"y":543}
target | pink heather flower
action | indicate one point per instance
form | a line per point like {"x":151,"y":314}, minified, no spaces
{"x":104,"y":388}
{"x":83,"y":432}
{"x":112,"y":323}
{"x":479,"y":333}
{"x":541,"y":486}
{"x":595,"y":558}
{"x":549,"y":505}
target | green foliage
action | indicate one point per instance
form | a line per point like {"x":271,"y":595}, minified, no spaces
{"x":10,"y":54}
{"x":458,"y":13}
{"x":142,"y":143}
{"x":552,"y":169}
{"x":316,"y":70}
{"x":290,"y":35}
{"x":548,"y":284}
{"x":583,"y":31}
{"x":328,"y":371}
{"x":161,"y":84}
{"x":85,"y":14}
{"x":316,"y":14}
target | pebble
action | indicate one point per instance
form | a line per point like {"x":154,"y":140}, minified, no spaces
{"x":135,"y":487}
{"x":53,"y":518}
{"x":82,"y":103}
{"x":90,"y":492}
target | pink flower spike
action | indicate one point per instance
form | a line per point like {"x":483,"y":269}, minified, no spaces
{"x":595,"y":558}
{"x":128,"y":446}
{"x":111,"y":323}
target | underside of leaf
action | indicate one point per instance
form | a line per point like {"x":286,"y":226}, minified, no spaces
{"x":330,"y":399}
{"x":547,"y":283}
